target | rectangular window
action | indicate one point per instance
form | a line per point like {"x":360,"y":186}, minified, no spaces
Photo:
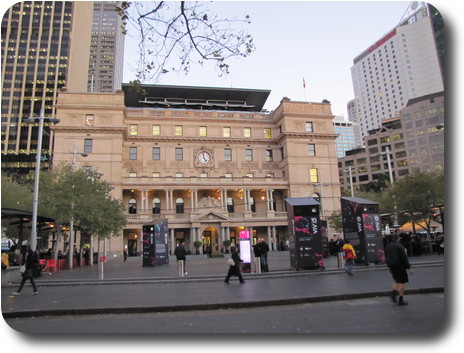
{"x":269,"y":157}
{"x":313,"y":175}
{"x":247,"y":132}
{"x":89,"y":120}
{"x":312,"y":149}
{"x":156,"y":153}
{"x":267,"y":133}
{"x":156,"y":130}
{"x":227,"y":154}
{"x":88,"y":145}
{"x":133,"y":153}
{"x":309,"y":126}
{"x":203,"y":131}
{"x":179,"y":154}
{"x":179,"y":130}
{"x":133,"y":130}
{"x":226,"y":132}
{"x":249,"y":155}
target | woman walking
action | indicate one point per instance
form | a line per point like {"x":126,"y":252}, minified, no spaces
{"x":28,"y":274}
{"x":234,"y":270}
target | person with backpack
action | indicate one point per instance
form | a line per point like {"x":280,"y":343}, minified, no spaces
{"x":348,"y":255}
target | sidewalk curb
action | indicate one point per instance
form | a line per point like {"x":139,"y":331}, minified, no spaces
{"x":212,"y":277}
{"x":215,"y":306}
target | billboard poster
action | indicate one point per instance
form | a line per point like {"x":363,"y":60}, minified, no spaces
{"x":161,"y":243}
{"x":373,"y":237}
{"x":308,"y":241}
{"x":155,"y":244}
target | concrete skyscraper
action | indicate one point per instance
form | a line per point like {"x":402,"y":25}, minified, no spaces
{"x":402,"y":65}
{"x":107,"y":49}
{"x":46,"y":46}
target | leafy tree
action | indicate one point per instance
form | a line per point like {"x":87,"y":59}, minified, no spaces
{"x":336,"y":221}
{"x":188,"y":30}
{"x":82,"y":196}
{"x":17,"y":196}
{"x":416,"y":195}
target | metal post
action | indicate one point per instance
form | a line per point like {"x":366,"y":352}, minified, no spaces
{"x":35,"y":202}
{"x":351,"y":181}
{"x":390,"y":173}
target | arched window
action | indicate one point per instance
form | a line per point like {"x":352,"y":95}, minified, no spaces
{"x":180,"y":205}
{"x":132,"y":206}
{"x":156,"y":206}
{"x":230,"y":205}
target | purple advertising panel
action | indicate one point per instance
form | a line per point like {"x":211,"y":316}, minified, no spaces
{"x":308,"y":241}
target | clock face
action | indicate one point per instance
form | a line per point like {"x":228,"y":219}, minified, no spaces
{"x":204,"y":157}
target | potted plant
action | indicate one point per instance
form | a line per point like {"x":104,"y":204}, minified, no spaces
{"x":226,"y":243}
{"x":197,"y":245}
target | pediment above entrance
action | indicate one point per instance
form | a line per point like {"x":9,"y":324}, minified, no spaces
{"x":210,"y":216}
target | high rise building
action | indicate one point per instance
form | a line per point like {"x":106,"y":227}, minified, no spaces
{"x":47,"y":45}
{"x":349,"y":135}
{"x":40,"y":54}
{"x":107,"y":49}
{"x":402,"y":65}
{"x":415,"y":140}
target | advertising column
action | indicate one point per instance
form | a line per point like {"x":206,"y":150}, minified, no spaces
{"x":306,"y":245}
{"x":362,"y":226}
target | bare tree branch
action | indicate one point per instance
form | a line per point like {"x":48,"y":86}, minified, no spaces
{"x":172,"y":37}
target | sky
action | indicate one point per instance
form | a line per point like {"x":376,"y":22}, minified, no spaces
{"x":313,"y":40}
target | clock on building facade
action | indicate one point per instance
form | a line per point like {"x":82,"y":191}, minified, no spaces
{"x":204,"y":158}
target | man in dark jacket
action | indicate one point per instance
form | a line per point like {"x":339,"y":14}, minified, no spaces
{"x":263,"y":250}
{"x":398,"y":263}
{"x":181,"y":255}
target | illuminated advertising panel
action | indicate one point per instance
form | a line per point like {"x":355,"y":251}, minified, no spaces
{"x":245,"y":246}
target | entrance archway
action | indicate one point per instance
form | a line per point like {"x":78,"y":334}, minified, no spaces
{"x":210,"y":240}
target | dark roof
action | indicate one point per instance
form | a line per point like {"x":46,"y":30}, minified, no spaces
{"x":424,"y":98}
{"x":360,"y":200}
{"x":15,"y":215}
{"x":187,"y":97}
{"x":302,"y":201}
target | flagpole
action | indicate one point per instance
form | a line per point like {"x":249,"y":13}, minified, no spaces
{"x":304,"y":88}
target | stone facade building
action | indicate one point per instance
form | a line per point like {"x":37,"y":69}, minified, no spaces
{"x":207,"y":159}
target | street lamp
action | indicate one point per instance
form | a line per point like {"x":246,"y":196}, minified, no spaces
{"x":71,"y":223}
{"x":35,"y":200}
{"x":387,"y":153}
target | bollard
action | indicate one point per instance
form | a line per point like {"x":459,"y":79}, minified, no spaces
{"x":257,"y":265}
{"x":180,"y":268}
{"x":341,"y":261}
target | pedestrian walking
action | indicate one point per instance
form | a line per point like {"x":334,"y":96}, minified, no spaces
{"x":234,"y":270}
{"x":263,"y":250}
{"x":125,"y":255}
{"x":30,"y":261}
{"x":348,"y":255}
{"x":181,"y":255}
{"x":398,"y":264}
